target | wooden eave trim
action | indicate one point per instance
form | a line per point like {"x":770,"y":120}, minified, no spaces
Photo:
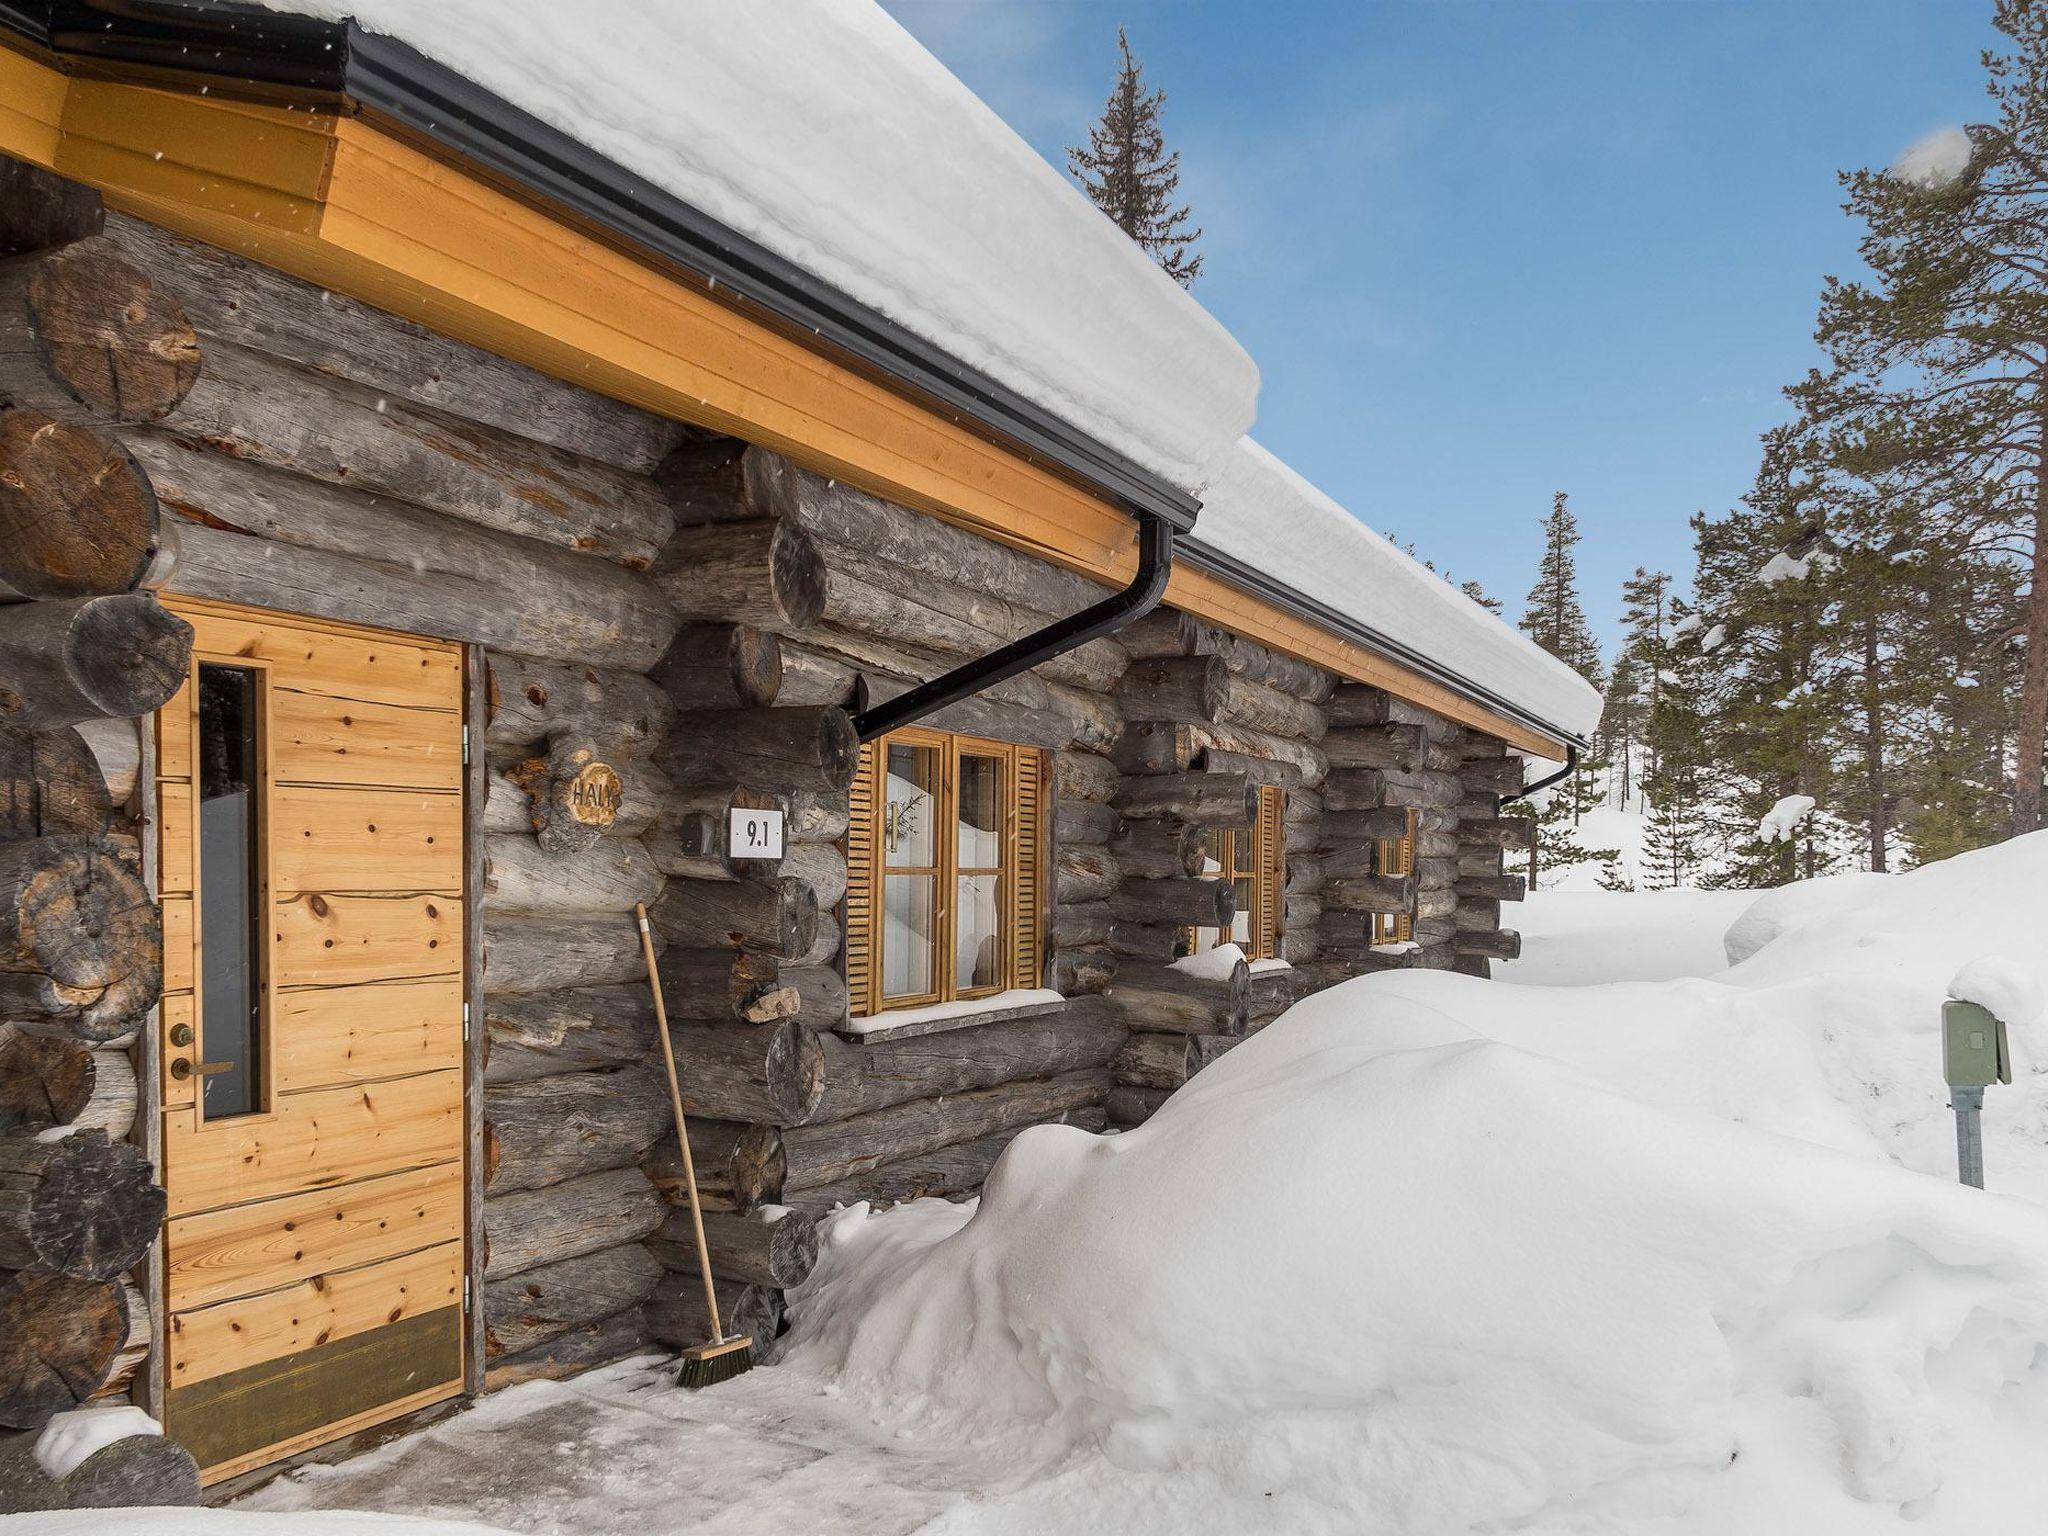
{"x":339,"y":201}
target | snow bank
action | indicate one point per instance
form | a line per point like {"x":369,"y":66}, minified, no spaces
{"x":233,"y":1522}
{"x":1572,"y":938}
{"x":1936,"y":160}
{"x":1261,"y":512}
{"x":824,"y":131}
{"x":1438,"y":1283}
{"x":1781,"y":910}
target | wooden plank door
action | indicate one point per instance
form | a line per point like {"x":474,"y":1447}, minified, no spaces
{"x":310,"y":860}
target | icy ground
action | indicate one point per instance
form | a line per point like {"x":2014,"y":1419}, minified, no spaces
{"x":1429,"y":1255}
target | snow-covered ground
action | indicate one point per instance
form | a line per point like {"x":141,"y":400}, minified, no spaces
{"x":1429,"y":1254}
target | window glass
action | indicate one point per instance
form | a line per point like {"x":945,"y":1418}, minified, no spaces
{"x":978,"y":926}
{"x":230,"y":895}
{"x":909,"y":930}
{"x":909,"y":819}
{"x":980,"y":819}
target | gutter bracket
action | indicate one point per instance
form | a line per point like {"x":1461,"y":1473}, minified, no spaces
{"x":1147,"y":586}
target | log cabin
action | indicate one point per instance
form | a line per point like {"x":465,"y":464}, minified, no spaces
{"x":432,"y":523}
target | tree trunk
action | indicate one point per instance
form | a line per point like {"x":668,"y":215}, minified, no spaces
{"x":1157,"y":1061}
{"x":2033,"y":714}
{"x":47,"y":1081}
{"x":726,"y":984}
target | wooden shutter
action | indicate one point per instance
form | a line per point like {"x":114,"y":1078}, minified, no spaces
{"x":1027,"y":943}
{"x":862,"y":885}
{"x":1268,"y":849}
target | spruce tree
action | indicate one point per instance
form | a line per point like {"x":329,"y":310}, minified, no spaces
{"x":1554,"y":617}
{"x":1127,"y":172}
{"x":1938,"y":377}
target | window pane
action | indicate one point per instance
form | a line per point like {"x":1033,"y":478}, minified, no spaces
{"x":1241,"y":925}
{"x":907,"y":935}
{"x":1240,"y":851}
{"x":230,"y":998}
{"x":910,"y":809}
{"x":981,"y":816}
{"x":978,"y":951}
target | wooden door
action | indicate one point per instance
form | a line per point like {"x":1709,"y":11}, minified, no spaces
{"x":310,"y":860}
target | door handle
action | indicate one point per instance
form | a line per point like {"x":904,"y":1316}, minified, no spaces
{"x":182,"y":1068}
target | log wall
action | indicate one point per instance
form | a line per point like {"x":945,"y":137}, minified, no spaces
{"x":700,"y":620}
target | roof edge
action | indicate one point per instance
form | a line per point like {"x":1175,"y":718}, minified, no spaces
{"x":223,"y":40}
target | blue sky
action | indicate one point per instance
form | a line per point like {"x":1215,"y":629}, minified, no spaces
{"x":1484,"y":250}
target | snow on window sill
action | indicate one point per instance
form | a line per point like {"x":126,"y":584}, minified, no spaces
{"x":897,"y":1023}
{"x":1262,"y":967}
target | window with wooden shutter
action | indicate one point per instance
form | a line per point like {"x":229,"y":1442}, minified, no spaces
{"x":1396,"y":859}
{"x":1253,"y":860}
{"x":945,"y":870}
{"x":860,"y":878}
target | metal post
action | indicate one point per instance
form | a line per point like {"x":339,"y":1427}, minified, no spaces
{"x":1968,"y":1104}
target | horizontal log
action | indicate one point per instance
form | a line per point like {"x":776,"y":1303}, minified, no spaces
{"x":776,"y":1248}
{"x":81,"y":942}
{"x":497,"y":588}
{"x":136,"y":1471}
{"x":1504,"y":944}
{"x":1077,"y":926}
{"x":78,"y":516}
{"x":740,"y":1167}
{"x":1370,"y":893}
{"x":1173,"y":688}
{"x":1353,"y":704}
{"x":1510,"y":834}
{"x":1160,"y":849}
{"x":1086,"y":822}
{"x":675,"y":1314}
{"x":1157,"y":1060}
{"x":89,"y":658}
{"x":773,"y":1073}
{"x":1498,"y":887}
{"x":526,"y":1310}
{"x":261,"y":409}
{"x":573,"y":1352}
{"x":116,"y":747}
{"x":771,"y":917}
{"x":1158,"y":747}
{"x":722,"y":666}
{"x":821,"y":993}
{"x":723,"y":985}
{"x":1492,"y":776}
{"x":827,"y":1153}
{"x":544,"y":954}
{"x":877,"y":1075}
{"x":1376,"y":746}
{"x":1172,"y":632}
{"x":774,"y":750}
{"x":94,"y":339}
{"x":59,"y":1337}
{"x":813,"y":674}
{"x":545,"y":1130}
{"x":1082,"y":972}
{"x":1155,"y":996}
{"x":817,"y":815}
{"x":48,"y":1081}
{"x":228,"y":297}
{"x":1084,"y":776}
{"x":1131,"y":1107}
{"x":573,"y":797}
{"x":530,"y":700}
{"x":769,"y":574}
{"x":50,"y":784}
{"x":1472,"y":965}
{"x":692,"y":835}
{"x":563,"y":1221}
{"x":1209,"y":1047}
{"x":39,"y":208}
{"x":1209,"y":800}
{"x":1252,"y":705}
{"x":547,"y":1034}
{"x":1193,"y":902}
{"x":1475,"y":914}
{"x":1146,"y":941}
{"x":1083,"y":873}
{"x":820,"y":866}
{"x":1274,"y":991}
{"x":949,"y":1173}
{"x":81,"y":1205}
{"x":522,"y":879}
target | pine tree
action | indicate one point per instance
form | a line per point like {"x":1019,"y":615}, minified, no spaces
{"x":1938,"y":378}
{"x":1624,"y":714}
{"x":1646,"y":621}
{"x":1554,"y":618}
{"x":1478,"y":594}
{"x":1126,"y":171}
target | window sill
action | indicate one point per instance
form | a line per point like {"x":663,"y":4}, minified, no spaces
{"x":901,"y":1023}
{"x":1267,"y":967}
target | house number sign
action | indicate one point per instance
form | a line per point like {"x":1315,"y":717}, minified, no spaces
{"x":755,"y":834}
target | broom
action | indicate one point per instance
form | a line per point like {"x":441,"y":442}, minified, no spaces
{"x":722,"y":1358}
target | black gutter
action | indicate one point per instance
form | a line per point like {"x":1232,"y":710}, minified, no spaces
{"x":285,"y":52}
{"x":1263,"y":585}
{"x":1148,"y":585}
{"x":1571,"y":763}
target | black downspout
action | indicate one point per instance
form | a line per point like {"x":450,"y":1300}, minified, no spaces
{"x":1155,"y":561}
{"x":1571,"y":762}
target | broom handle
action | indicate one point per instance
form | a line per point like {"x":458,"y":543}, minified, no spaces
{"x":675,"y":1099}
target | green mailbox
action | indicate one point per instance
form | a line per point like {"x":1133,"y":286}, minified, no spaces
{"x":1974,"y":1052}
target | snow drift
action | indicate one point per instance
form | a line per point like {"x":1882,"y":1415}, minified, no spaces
{"x":1444,"y":1254}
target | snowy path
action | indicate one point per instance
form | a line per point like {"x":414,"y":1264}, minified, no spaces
{"x":1581,"y":938}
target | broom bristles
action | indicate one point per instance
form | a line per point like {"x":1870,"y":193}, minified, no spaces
{"x":709,"y":1364}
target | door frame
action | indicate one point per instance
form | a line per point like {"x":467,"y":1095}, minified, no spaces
{"x":151,"y":1387}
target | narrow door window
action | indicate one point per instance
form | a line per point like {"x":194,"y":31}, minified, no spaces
{"x":978,"y":865}
{"x":910,"y":873}
{"x":230,"y":890}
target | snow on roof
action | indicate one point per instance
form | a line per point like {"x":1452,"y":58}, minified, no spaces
{"x":825,"y":132}
{"x":1261,"y":512}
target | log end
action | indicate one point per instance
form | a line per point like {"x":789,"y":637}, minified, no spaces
{"x":78,"y":518}
{"x":116,"y":343}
